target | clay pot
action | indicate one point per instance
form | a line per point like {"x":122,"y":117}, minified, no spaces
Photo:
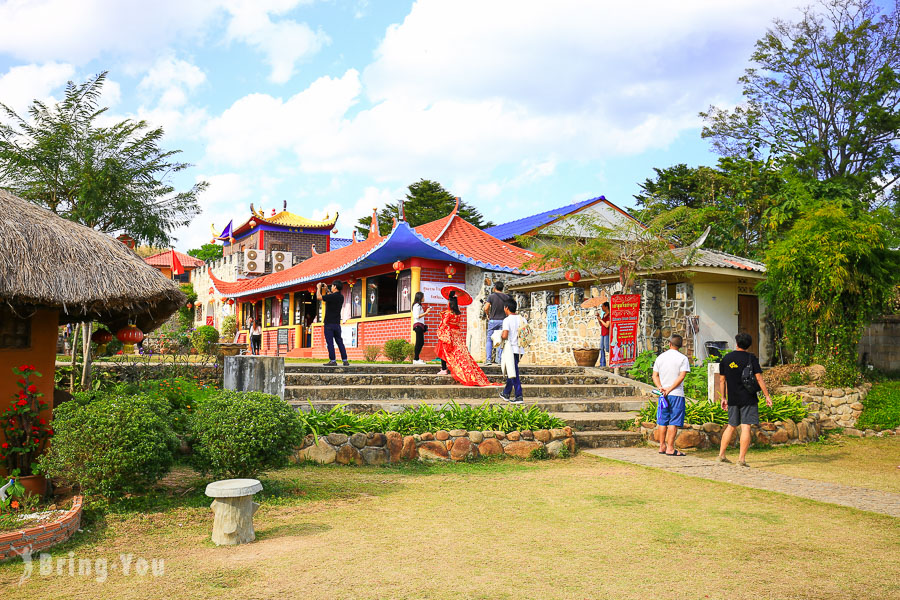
{"x":586,"y":357}
{"x":34,"y":485}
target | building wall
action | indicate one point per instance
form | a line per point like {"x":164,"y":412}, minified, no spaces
{"x":41,"y":354}
{"x":300,"y":243}
{"x":717,"y":307}
{"x":880,"y":344}
{"x":601,"y":212}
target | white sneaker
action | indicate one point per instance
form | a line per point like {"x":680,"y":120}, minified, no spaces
{"x":418,"y":362}
{"x":443,"y":372}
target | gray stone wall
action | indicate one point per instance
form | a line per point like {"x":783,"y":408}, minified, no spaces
{"x":835,"y":407}
{"x":662,"y":316}
{"x":880,"y":344}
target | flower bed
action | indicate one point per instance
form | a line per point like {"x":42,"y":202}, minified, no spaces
{"x":456,"y":444}
{"x":765,"y":434}
{"x":41,"y":537}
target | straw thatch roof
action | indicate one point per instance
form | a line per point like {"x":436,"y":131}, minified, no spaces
{"x":47,"y":261}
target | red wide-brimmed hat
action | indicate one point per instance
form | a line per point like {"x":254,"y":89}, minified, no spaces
{"x":462,"y":296}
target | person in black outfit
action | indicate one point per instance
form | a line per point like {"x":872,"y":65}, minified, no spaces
{"x":334,"y":302}
{"x":742,"y":404}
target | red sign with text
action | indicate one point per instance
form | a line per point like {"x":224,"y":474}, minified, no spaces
{"x":623,"y":327}
{"x":210,"y":321}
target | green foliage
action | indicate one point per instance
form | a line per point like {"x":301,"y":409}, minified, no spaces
{"x":25,"y":431}
{"x":881,"y":407}
{"x":827,"y":278}
{"x":539,"y":453}
{"x":371,"y":353}
{"x":206,"y":252}
{"x":642,"y":367}
{"x":425,"y":201}
{"x":425,"y":418}
{"x":229,"y":327}
{"x":112,"y":178}
{"x":697,"y":412}
{"x":110,"y":446}
{"x":185,"y":314}
{"x":243,"y":434}
{"x":397,"y":350}
{"x":696,"y":382}
{"x":797,"y":378}
{"x":204,"y":339}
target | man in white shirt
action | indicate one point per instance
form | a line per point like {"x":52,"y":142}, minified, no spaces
{"x":510,"y":335}
{"x":669,"y":371}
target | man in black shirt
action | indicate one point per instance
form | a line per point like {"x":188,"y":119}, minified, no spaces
{"x":493,"y":308}
{"x":741,"y":403}
{"x":334,"y":302}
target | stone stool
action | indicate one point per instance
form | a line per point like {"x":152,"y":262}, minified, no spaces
{"x":233,"y":508}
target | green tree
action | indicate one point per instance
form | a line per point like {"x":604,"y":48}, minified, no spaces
{"x":206,"y":252}
{"x":826,"y":92}
{"x":425,"y":201}
{"x":113,"y":178}
{"x":827,"y":278}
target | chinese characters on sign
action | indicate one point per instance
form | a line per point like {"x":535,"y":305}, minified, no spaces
{"x":624,"y":312}
{"x":553,"y":323}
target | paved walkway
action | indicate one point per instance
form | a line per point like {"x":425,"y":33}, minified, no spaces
{"x":876,"y":501}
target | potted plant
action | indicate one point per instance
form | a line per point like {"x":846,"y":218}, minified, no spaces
{"x":586,"y":357}
{"x":25,"y":431}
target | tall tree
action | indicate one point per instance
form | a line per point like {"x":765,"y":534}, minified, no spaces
{"x":113,"y":178}
{"x":425,"y":201}
{"x":825,"y":91}
{"x":206,"y":252}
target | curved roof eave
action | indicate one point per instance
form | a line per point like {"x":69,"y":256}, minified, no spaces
{"x":402,"y":228}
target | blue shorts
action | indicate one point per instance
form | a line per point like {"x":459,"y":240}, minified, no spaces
{"x":673,"y":415}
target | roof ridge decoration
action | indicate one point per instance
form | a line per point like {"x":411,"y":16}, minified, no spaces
{"x":450,"y":218}
{"x":373,"y":228}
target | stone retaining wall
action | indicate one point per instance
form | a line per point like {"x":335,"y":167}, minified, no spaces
{"x":766,"y":434}
{"x":42,"y":537}
{"x":456,"y":444}
{"x":836,"y":407}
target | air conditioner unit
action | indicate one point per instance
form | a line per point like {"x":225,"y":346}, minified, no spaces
{"x":254,"y":261}
{"x":281,"y":260}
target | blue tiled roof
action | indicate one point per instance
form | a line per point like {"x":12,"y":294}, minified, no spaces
{"x":507,"y":231}
{"x":340,"y":242}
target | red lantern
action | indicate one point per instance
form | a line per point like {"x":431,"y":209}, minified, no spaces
{"x":573,"y":276}
{"x":334,"y":231}
{"x":211,"y":291}
{"x":450,"y":270}
{"x":230,"y":301}
{"x":351,"y":281}
{"x":252,"y":223}
{"x":280,"y":297}
{"x":101,"y":337}
{"x":399,"y":266}
{"x":129,"y":336}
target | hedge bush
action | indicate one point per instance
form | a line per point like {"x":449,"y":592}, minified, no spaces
{"x":397,"y":350}
{"x":229,"y":327}
{"x":243,"y":434}
{"x":204,"y":339}
{"x":111,"y":445}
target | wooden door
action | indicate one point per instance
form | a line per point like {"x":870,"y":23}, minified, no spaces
{"x":748,"y":319}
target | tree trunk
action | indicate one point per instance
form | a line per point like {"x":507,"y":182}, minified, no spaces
{"x":86,"y":370}
{"x":75,"y":331}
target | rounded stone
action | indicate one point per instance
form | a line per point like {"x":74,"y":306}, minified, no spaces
{"x":558,"y":434}
{"x":513,"y":436}
{"x":521,"y":449}
{"x":409,"y":451}
{"x":542,"y":435}
{"x":554,"y":448}
{"x":348,"y":454}
{"x":233,"y":488}
{"x":320,"y":452}
{"x":374,"y":455}
{"x":458,"y":432}
{"x":527,"y":434}
{"x":337,"y":439}
{"x":487,"y":434}
{"x":461,"y":449}
{"x":358,"y":440}
{"x":490,"y":447}
{"x":442,"y":436}
{"x":502,"y":436}
{"x":433,"y":450}
{"x":427,"y":437}
{"x":688,"y":438}
{"x":376,"y":439}
{"x":476,"y":437}
{"x":394,"y":445}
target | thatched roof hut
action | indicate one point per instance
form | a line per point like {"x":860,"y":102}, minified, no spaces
{"x":47,"y":261}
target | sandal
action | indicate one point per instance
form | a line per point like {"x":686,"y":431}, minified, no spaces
{"x":676,"y":453}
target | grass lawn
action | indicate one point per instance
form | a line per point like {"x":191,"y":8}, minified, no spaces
{"x":882,"y":407}
{"x":864,"y":462}
{"x":582,"y":528}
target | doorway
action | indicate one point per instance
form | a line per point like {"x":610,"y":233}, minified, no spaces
{"x":748,"y":319}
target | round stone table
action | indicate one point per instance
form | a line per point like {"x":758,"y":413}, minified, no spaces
{"x":233,"y":508}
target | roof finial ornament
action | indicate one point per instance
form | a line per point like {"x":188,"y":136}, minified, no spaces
{"x":456,"y":208}
{"x":353,"y":237}
{"x":285,"y":206}
{"x":373,"y":229}
{"x":402,"y":210}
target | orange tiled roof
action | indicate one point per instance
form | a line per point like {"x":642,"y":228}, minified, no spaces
{"x":164,"y":260}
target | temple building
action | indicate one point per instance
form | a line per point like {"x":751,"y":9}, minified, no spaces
{"x":163,"y":262}
{"x":381,"y":275}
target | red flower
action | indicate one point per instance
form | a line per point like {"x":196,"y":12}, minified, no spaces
{"x":22,"y":402}
{"x":23,"y":368}
{"x":32,"y":389}
{"x":14,"y":504}
{"x":42,"y":421}
{"x":4,"y":445}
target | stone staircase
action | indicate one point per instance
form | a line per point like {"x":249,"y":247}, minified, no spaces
{"x":591,"y":401}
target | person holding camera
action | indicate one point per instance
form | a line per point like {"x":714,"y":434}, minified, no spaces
{"x":738,"y":382}
{"x":334,"y":303}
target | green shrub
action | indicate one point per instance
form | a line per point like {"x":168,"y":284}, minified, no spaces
{"x":696,"y":382}
{"x":397,"y":350}
{"x":642,"y":368}
{"x":111,"y":445}
{"x":540,"y":453}
{"x":204,"y":339}
{"x":881,"y":407}
{"x":426,"y":418}
{"x":371,"y":353}
{"x":784,"y":406}
{"x":243,"y":434}
{"x":229,"y":327}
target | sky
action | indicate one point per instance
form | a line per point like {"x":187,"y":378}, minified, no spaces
{"x":517,"y":106}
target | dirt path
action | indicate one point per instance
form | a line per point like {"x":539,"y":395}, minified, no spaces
{"x":861,"y":498}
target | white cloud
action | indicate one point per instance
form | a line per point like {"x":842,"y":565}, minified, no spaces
{"x":169,"y":73}
{"x":284,"y":42}
{"x":227,"y":197}
{"x":20,"y":85}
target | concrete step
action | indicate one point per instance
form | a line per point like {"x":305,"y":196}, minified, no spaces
{"x":607,"y":439}
{"x":430,"y":368}
{"x":369,"y":393}
{"x":596,"y":421}
{"x":559,"y":406}
{"x":294,"y":379}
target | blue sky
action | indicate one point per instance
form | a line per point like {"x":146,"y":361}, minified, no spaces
{"x":516,"y":106}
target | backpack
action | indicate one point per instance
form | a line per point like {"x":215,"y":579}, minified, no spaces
{"x":748,"y":378}
{"x":524,"y":334}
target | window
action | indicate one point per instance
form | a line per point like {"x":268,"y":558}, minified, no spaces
{"x":275,"y":311}
{"x":384,"y":295}
{"x":306,"y":308}
{"x":285,"y":310}
{"x":268,"y":309}
{"x":15,"y":332}
{"x":356,"y":294}
{"x":404,"y":287}
{"x":277,"y":247}
{"x":199,"y":312}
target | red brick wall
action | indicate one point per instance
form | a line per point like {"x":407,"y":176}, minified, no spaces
{"x":36,"y":539}
{"x":370,"y":333}
{"x":270,"y":339}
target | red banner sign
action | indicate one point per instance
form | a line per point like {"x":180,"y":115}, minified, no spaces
{"x":624,"y":312}
{"x":210,"y":321}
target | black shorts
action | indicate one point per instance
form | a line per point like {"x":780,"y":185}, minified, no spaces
{"x":743,"y":415}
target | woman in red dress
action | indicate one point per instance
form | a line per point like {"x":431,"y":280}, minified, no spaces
{"x":452,"y":351}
